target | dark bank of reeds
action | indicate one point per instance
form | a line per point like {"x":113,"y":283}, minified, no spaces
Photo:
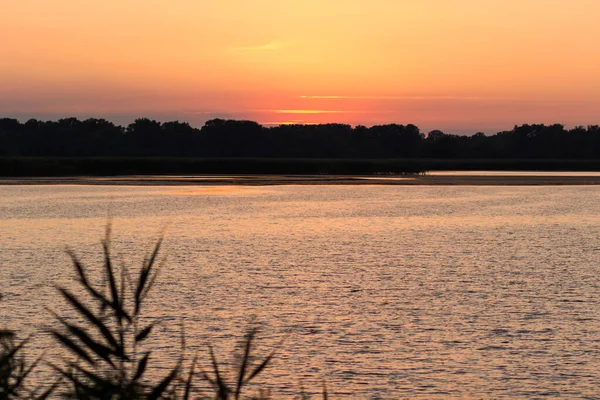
{"x":114,"y":166}
{"x":106,"y":166}
{"x":105,"y":356}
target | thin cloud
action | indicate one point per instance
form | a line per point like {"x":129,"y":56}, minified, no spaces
{"x":472,"y":98}
{"x":309,"y":111}
{"x":201,"y":112}
{"x":277,"y":123}
{"x":271,"y":46}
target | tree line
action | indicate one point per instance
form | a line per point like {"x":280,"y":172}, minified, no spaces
{"x":218,"y":138}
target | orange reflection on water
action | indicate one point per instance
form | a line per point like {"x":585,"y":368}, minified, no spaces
{"x":383,"y":291}
{"x":218,"y":190}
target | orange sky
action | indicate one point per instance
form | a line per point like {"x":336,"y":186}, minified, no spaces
{"x":455,"y":65}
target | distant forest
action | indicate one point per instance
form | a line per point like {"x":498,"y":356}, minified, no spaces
{"x":220,"y":138}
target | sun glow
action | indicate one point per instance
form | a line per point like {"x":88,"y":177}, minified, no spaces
{"x":459,"y":65}
{"x":309,"y":112}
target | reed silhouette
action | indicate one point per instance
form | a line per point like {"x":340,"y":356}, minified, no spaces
{"x":14,"y":370}
{"x":109,"y":361}
{"x":105,"y":352}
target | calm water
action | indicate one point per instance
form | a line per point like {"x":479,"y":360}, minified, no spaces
{"x":383,"y":291}
{"x":515,"y":173}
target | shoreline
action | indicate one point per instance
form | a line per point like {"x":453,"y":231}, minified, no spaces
{"x":277,"y":180}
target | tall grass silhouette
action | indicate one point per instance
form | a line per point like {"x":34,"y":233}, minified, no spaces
{"x":106,"y":356}
{"x":246,"y":372}
{"x":15,"y":371}
{"x":109,"y":361}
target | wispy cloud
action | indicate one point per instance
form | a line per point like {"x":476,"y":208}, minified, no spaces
{"x":309,"y":111}
{"x":326,"y":111}
{"x":295,"y":122}
{"x":473,"y":98}
{"x":200,"y":112}
{"x":270,"y":46}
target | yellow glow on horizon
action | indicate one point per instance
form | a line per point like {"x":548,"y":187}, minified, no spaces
{"x":267,"y":123}
{"x":308,"y":112}
{"x":446,"y":62}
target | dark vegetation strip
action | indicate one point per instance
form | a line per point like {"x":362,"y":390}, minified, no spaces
{"x":50,"y":167}
{"x":219,"y":138}
{"x":106,"y":356}
{"x":109,"y":166}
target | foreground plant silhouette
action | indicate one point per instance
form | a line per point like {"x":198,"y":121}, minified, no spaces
{"x":106,"y":348}
{"x":106,"y":363}
{"x":245,"y":374}
{"x":14,"y":370}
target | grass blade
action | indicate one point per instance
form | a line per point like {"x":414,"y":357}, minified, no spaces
{"x":141,"y":368}
{"x":48,"y":392}
{"x":111,"y":280}
{"x":188,"y":383}
{"x":261,"y":367}
{"x":150,"y":285}
{"x":71,"y":345}
{"x":84,"y":281}
{"x":99,"y":349}
{"x":143,"y":334}
{"x":11,"y":353}
{"x":162,"y":386}
{"x":93,"y":319}
{"x":223,"y":390}
{"x":144,"y":275}
{"x":245,"y":362}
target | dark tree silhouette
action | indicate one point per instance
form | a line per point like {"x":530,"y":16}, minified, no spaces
{"x":218,"y":138}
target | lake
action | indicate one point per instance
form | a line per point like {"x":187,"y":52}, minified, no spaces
{"x":381,"y":291}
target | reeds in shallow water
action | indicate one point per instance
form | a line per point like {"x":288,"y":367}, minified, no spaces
{"x":106,"y":354}
{"x":14,"y":370}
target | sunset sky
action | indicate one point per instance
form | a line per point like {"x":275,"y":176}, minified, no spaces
{"x":457,"y":65}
